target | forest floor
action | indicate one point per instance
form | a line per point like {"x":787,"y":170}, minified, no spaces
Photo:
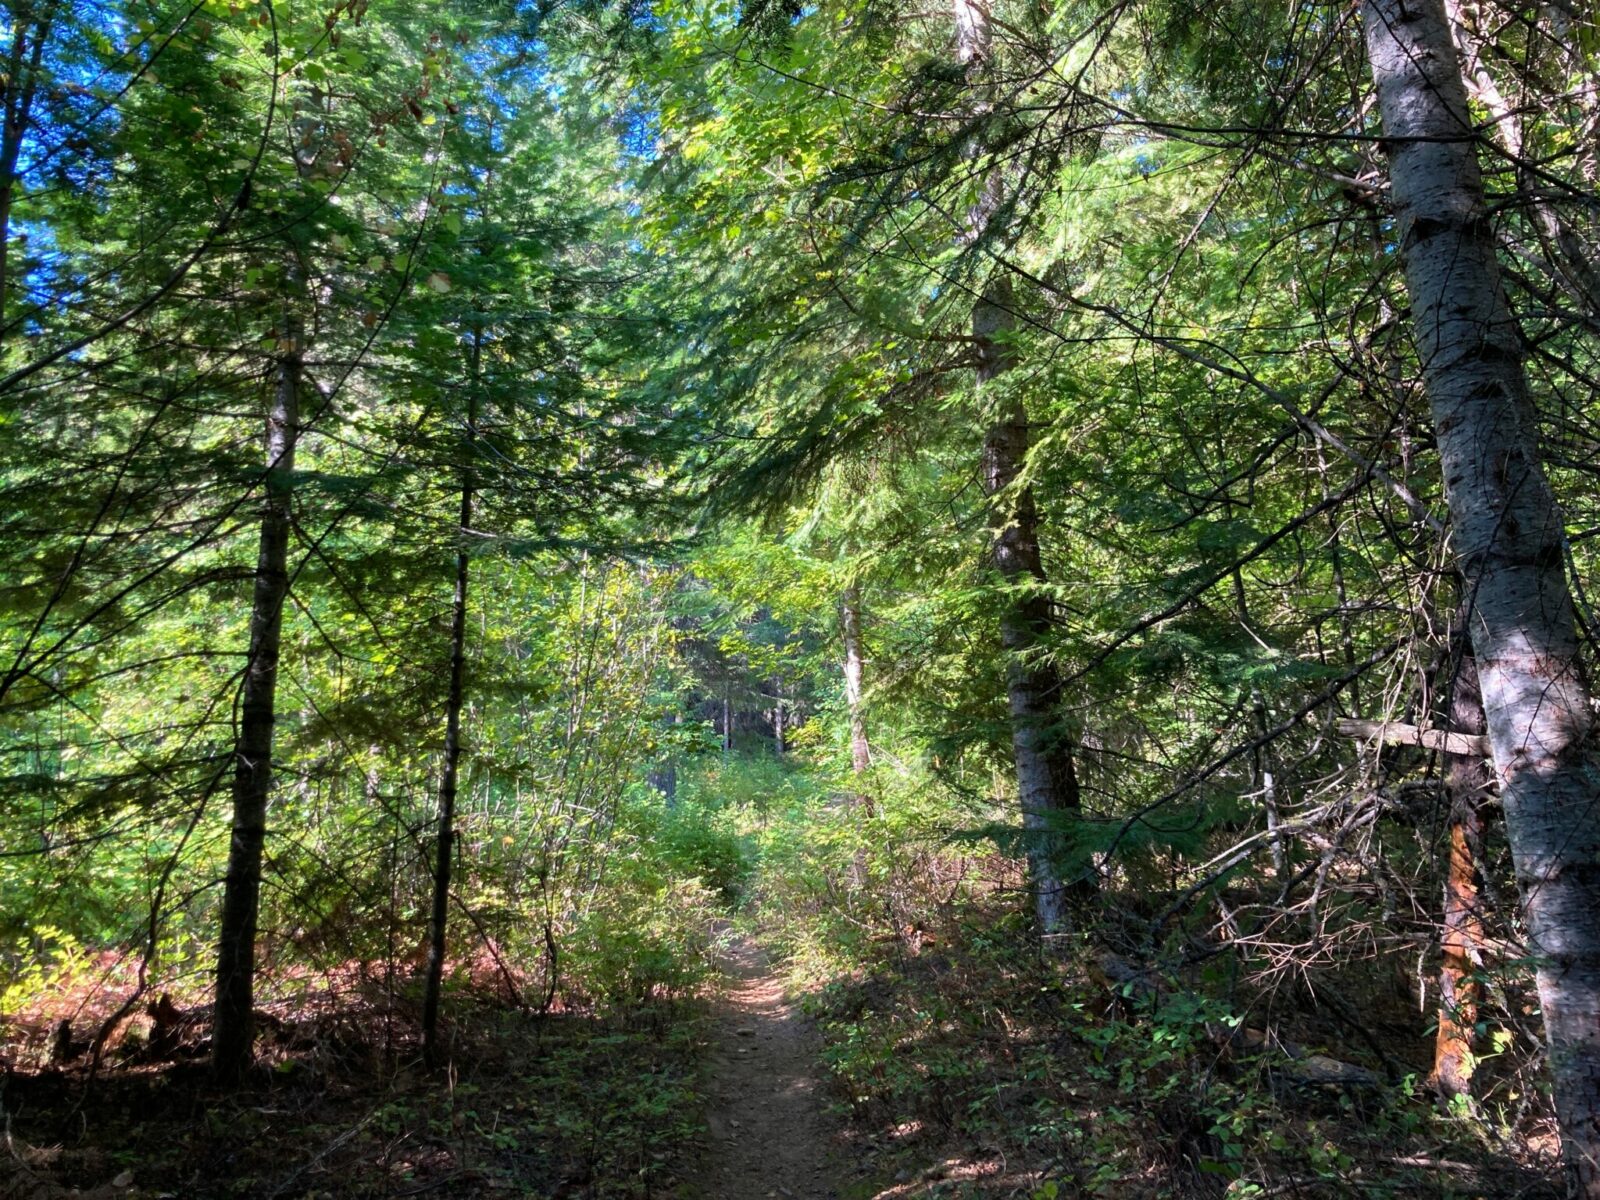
{"x":571,"y":1106}
{"x":974,"y":1071}
{"x":768,"y":1134}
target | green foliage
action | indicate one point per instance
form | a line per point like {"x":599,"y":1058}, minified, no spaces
{"x":642,"y":938}
{"x":974,"y":1039}
{"x":703,"y":845}
{"x":683,"y":294}
{"x":758,"y":785}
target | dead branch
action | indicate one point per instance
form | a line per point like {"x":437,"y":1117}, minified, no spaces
{"x":1392,"y":733}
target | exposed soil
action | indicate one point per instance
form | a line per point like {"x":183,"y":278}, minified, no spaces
{"x":769,"y":1135}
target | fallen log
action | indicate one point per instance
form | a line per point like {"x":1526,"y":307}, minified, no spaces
{"x":1293,"y":1064}
{"x":1323,"y":1071}
{"x":1392,"y":733}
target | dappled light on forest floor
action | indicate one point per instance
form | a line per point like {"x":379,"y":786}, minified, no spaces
{"x":982,"y":1070}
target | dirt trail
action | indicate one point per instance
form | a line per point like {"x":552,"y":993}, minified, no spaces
{"x":769,"y":1135}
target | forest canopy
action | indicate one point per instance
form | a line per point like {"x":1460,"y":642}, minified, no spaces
{"x":1069,"y":525}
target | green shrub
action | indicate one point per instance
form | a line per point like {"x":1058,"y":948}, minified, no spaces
{"x":642,"y":939}
{"x":703,"y":845}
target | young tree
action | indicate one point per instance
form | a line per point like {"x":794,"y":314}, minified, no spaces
{"x":850,"y":633}
{"x":233,"y":1034}
{"x":449,"y":770}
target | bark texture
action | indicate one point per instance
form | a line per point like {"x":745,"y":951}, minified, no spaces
{"x":1047,"y":783}
{"x":233,"y":1038}
{"x":1507,"y":534}
{"x":1467,"y":782}
{"x":664,"y":779}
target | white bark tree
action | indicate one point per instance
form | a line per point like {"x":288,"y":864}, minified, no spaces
{"x":850,"y":628}
{"x":1507,"y":534}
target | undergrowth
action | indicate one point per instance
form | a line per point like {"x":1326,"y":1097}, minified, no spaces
{"x":577,"y":1082}
{"x":964,"y":1061}
{"x":969,"y":1065}
{"x":561,"y":1106}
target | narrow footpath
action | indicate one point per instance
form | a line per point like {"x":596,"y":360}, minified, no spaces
{"x":769,"y":1135}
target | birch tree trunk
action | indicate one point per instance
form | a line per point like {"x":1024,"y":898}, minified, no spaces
{"x":1047,"y":784}
{"x":449,"y":774}
{"x":850,"y":628}
{"x":233,"y":1036}
{"x":1508,"y":536}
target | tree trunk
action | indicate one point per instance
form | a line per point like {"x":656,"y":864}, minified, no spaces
{"x":233,"y":1038}
{"x":664,"y":779}
{"x":444,"y":838}
{"x":850,"y":627}
{"x":29,"y":33}
{"x":1508,"y":535}
{"x":1264,"y":781}
{"x":664,"y":776}
{"x":1047,"y":783}
{"x":1467,"y":780}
